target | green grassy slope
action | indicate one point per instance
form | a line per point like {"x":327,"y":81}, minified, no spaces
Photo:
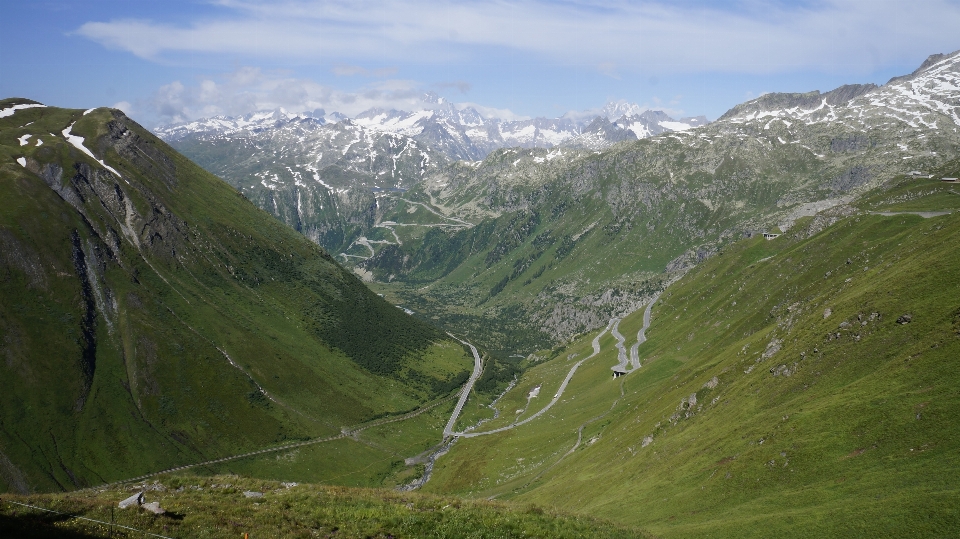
{"x":805,"y":386}
{"x":154,"y":317}
{"x":217,"y":507}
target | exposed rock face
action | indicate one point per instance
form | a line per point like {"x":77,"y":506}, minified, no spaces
{"x":142,"y":152}
{"x":808,"y":100}
{"x":855,"y":177}
{"x":12,"y":476}
{"x":931,"y":60}
{"x":15,"y":255}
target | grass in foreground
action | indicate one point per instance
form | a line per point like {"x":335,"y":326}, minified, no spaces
{"x":213,"y":507}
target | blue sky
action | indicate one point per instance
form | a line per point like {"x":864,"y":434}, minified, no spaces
{"x":179,"y":60}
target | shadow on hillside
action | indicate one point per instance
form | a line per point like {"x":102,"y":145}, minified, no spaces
{"x":42,"y":527}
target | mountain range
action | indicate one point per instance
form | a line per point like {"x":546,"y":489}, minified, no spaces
{"x":624,"y":219}
{"x":459,"y":133}
{"x":663,"y":202}
{"x":321,"y":173}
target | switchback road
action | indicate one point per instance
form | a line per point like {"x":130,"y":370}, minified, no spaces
{"x":563,"y":386}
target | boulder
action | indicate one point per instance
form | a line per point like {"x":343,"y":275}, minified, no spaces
{"x":136,"y":499}
{"x":153,"y":507}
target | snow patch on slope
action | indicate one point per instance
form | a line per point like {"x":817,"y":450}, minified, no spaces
{"x":9,"y":111}
{"x":77,"y":143}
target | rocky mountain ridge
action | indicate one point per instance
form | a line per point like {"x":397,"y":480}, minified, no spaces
{"x":321,"y":173}
{"x":457,"y":133}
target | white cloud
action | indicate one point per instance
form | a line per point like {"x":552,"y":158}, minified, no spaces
{"x":125,"y":106}
{"x":751,"y":37}
{"x":249,"y":89}
{"x":343,"y":70}
{"x":609,"y":69}
{"x":462,"y":86}
{"x":492,"y":112}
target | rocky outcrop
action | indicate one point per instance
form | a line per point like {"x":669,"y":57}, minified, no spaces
{"x":807,"y":100}
{"x":19,"y":257}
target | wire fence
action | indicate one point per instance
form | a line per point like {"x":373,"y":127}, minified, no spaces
{"x":78,"y":517}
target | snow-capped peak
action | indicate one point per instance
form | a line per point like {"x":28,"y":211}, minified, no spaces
{"x":928,"y":98}
{"x":618,"y":109}
{"x":459,"y":132}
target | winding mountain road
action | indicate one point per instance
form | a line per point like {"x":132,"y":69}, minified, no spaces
{"x":642,"y":334}
{"x":435,"y":212}
{"x":563,"y":386}
{"x":453,"y":222}
{"x":924,"y":214}
{"x":613,"y":327}
{"x":621,"y":349}
{"x":458,"y":409}
{"x":465,"y":392}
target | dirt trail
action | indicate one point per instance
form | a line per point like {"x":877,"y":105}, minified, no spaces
{"x":924,"y":214}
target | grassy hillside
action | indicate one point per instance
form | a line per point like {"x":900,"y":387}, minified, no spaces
{"x":151,"y":317}
{"x":805,"y":386}
{"x":218,"y":507}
